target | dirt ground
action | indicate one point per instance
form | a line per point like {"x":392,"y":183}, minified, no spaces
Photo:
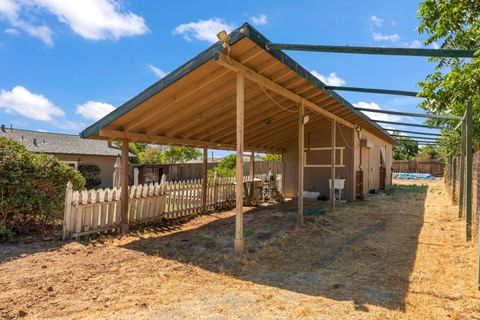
{"x":400,"y":255}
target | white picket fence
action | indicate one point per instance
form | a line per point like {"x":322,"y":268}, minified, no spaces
{"x":94,"y":211}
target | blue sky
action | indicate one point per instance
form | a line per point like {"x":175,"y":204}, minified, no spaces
{"x":64,"y":64}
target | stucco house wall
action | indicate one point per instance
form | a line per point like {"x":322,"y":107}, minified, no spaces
{"x":105,"y":163}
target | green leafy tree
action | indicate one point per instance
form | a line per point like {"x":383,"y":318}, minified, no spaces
{"x":405,"y":149}
{"x":225,"y":168}
{"x":171,"y":155}
{"x":452,"y":24}
{"x":151,"y":155}
{"x":174,"y":155}
{"x":272,"y":157}
{"x":431,"y":151}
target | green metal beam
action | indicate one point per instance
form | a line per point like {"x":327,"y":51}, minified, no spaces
{"x":416,"y":132}
{"x":372,"y":90}
{"x":425,"y":141}
{"x":409,"y":124}
{"x":417,"y":52}
{"x":410,"y":114}
{"x":413,"y":137}
{"x":468,"y":171}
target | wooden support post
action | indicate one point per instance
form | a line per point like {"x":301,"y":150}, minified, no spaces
{"x":252,"y":175}
{"x":333,"y":160}
{"x":124,"y":186}
{"x":301,"y":160}
{"x":468,"y":171}
{"x":205,"y":180}
{"x":462,"y":172}
{"x":239,"y":240}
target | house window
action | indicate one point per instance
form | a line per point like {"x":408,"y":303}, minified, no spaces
{"x":73,"y":164}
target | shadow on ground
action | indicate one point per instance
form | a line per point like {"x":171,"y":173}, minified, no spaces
{"x":362,"y":253}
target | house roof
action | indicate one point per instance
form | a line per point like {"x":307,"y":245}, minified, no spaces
{"x":195,"y":104}
{"x":58,"y":143}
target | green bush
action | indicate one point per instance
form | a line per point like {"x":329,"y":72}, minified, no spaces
{"x":225,"y":168}
{"x":91,"y":173}
{"x":7,"y":235}
{"x":32,"y":187}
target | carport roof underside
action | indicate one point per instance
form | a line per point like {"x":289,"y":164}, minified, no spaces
{"x":195,"y":104}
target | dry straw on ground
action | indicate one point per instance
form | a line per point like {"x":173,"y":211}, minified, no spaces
{"x":401,"y":255}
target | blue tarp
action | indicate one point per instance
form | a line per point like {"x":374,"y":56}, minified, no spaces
{"x":413,"y":176}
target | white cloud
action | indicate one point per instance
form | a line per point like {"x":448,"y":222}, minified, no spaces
{"x":414,"y":44}
{"x":157,"y":71}
{"x":91,"y":19}
{"x":96,"y":19}
{"x":331,"y":80}
{"x":30,"y":105}
{"x":205,"y":30}
{"x":11,"y":31}
{"x":94,"y":110}
{"x":435,"y":45}
{"x":260,"y":19}
{"x":376,"y":116}
{"x":10,"y":11}
{"x":385,"y":37}
{"x":377,"y":21}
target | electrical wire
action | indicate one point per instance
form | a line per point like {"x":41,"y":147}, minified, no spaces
{"x":343,"y":137}
{"x":278,"y":104}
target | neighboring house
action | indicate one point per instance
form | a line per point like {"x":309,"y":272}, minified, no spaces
{"x":68,"y":148}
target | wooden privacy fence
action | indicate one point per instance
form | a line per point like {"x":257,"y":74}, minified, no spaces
{"x":434,"y":167}
{"x":93,"y":211}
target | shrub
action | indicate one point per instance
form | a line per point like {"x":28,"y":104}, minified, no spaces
{"x":7,"y":235}
{"x":32,"y":187}
{"x":91,"y":173}
{"x":225,"y":168}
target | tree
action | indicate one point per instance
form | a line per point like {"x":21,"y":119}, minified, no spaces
{"x":226,"y":167}
{"x":151,"y":155}
{"x":272,"y":157}
{"x":405,"y":149}
{"x":456,"y":24}
{"x":175,"y":155}
{"x":171,"y":155}
{"x":430,"y":152}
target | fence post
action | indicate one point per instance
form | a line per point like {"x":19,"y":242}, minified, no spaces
{"x":215,"y":190}
{"x":453,"y":176}
{"x":67,"y":211}
{"x":468,"y":169}
{"x":462,"y":171}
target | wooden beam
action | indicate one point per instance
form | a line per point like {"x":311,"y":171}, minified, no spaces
{"x":239,"y":240}
{"x":277,"y":88}
{"x":205,"y":180}
{"x":333,"y":160}
{"x":124,"y":186}
{"x":418,"y":52}
{"x":201,"y":83}
{"x":157,"y":139}
{"x":301,"y":146}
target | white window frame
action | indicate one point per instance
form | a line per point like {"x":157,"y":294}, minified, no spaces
{"x":75,"y":163}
